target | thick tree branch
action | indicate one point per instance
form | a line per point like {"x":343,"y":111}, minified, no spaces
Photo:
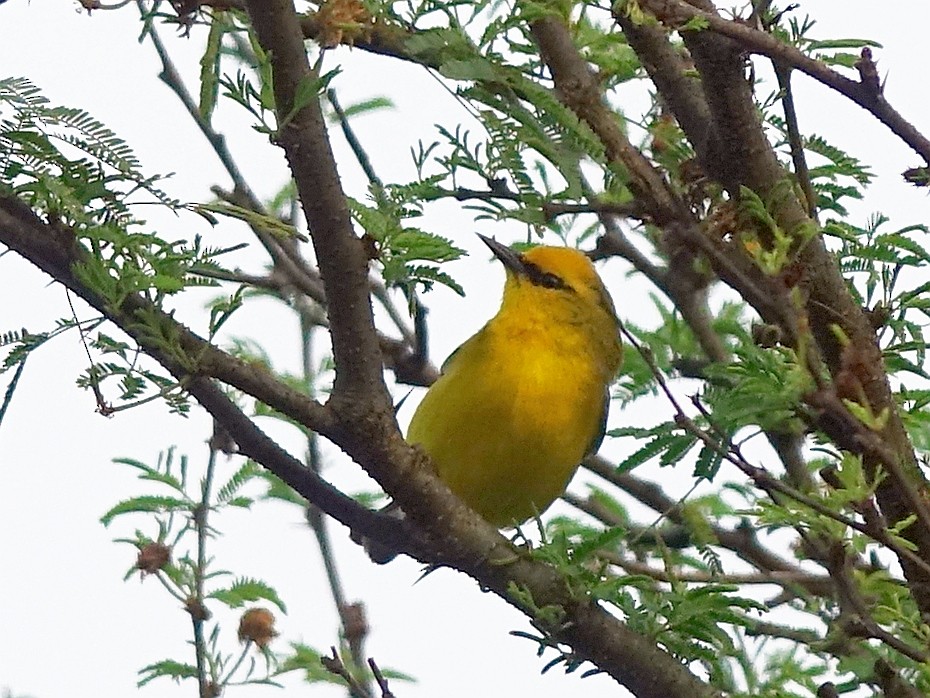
{"x":340,"y":254}
{"x":675,"y":13}
{"x":736,"y":155}
{"x":745,"y":158}
{"x":54,"y":250}
{"x":456,"y":536}
{"x":579,"y":88}
{"x":670,"y":70}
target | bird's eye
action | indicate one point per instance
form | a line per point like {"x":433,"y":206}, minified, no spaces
{"x":546,"y":279}
{"x":550,"y":281}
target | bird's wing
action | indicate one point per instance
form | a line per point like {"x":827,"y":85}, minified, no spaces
{"x":602,"y":428}
{"x":449,"y":364}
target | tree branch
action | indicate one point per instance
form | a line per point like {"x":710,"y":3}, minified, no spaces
{"x":368,"y":432}
{"x":676,"y":13}
{"x":340,"y":254}
{"x":452,"y":534}
{"x":742,"y":156}
{"x":579,"y":89}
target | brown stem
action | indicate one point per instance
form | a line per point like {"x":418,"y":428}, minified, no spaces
{"x":741,"y":540}
{"x":742,"y":156}
{"x":339,"y":252}
{"x":579,"y":88}
{"x":676,"y":13}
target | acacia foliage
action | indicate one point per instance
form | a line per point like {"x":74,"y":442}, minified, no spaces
{"x":802,"y":328}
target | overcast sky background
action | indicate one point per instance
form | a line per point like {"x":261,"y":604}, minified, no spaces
{"x":70,"y":625}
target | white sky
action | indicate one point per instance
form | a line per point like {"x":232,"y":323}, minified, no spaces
{"x":71,"y":626}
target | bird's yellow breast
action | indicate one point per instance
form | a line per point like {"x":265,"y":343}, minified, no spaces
{"x":516,"y":409}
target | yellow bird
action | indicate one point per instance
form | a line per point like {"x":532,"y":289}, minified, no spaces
{"x":520,"y":403}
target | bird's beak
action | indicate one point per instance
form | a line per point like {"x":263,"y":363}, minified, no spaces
{"x":509,"y":258}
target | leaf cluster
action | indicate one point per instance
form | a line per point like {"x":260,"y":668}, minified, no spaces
{"x":180,"y":515}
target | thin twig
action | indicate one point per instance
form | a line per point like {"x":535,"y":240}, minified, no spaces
{"x":102,"y":406}
{"x":361,"y":155}
{"x":554,"y":209}
{"x":409,"y":359}
{"x":814,"y":583}
{"x":740,"y":540}
{"x":196,"y":604}
{"x":169,"y":586}
{"x":795,"y":141}
{"x":760,"y":476}
{"x":335,"y":665}
{"x":172,"y":78}
{"x":235,"y":667}
{"x":11,"y":387}
{"x":353,"y":629}
{"x":378,"y":289}
{"x":286,"y":258}
{"x":802,"y":636}
{"x":864,"y":624}
{"x":380,"y":293}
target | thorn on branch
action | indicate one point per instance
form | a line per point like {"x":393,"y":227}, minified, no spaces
{"x":868,"y":73}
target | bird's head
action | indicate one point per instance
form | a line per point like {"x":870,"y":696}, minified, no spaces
{"x":548,"y":275}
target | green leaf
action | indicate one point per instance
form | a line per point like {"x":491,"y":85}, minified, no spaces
{"x":167,"y":284}
{"x":605,"y":540}
{"x":308,"y":90}
{"x":248,"y":472}
{"x":278,"y":489}
{"x":677,"y":449}
{"x":210,"y":66}
{"x":367,"y":106}
{"x":843,"y":43}
{"x":242,"y":502}
{"x":146,"y":504}
{"x":245,"y":590}
{"x":478,"y":69}
{"x":649,"y":451}
{"x":708,"y":462}
{"x":149,"y":473}
{"x":167,"y":668}
{"x":695,"y":24}
{"x":270,"y":224}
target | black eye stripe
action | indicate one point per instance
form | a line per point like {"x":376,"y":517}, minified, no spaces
{"x":544,"y":278}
